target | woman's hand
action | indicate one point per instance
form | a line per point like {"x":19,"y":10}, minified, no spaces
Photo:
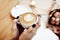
{"x":14,"y":31}
{"x":29,"y":33}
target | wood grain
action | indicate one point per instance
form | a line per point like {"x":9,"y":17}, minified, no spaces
{"x":6,"y":21}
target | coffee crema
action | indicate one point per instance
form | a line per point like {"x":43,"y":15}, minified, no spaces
{"x":28,"y":19}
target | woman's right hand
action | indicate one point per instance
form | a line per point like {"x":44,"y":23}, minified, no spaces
{"x":29,"y":33}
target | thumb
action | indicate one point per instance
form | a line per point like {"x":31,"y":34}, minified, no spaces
{"x":14,"y":24}
{"x":14,"y":30}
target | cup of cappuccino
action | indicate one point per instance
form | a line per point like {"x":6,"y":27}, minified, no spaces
{"x":20,"y":9}
{"x":28,"y":19}
{"x":26,"y":16}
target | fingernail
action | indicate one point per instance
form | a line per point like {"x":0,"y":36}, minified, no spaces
{"x":17,"y":17}
{"x":34,"y":25}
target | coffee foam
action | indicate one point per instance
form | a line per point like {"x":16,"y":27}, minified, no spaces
{"x":28,"y":19}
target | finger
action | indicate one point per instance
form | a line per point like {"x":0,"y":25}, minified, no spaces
{"x":14,"y":24}
{"x":14,"y":30}
{"x":30,"y":30}
{"x":31,"y":34}
{"x":15,"y":20}
{"x":38,"y":25}
{"x":26,"y":33}
{"x":18,"y":21}
{"x":38,"y":19}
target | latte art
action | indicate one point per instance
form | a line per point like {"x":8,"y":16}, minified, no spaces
{"x":28,"y":19}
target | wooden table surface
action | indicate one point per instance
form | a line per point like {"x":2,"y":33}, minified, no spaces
{"x":6,"y":21}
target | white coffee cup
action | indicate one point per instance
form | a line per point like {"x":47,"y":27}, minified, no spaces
{"x":23,"y":10}
{"x":20,"y":9}
{"x":28,"y":19}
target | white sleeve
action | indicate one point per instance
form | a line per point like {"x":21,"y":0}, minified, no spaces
{"x":20,"y":9}
{"x":45,"y":34}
